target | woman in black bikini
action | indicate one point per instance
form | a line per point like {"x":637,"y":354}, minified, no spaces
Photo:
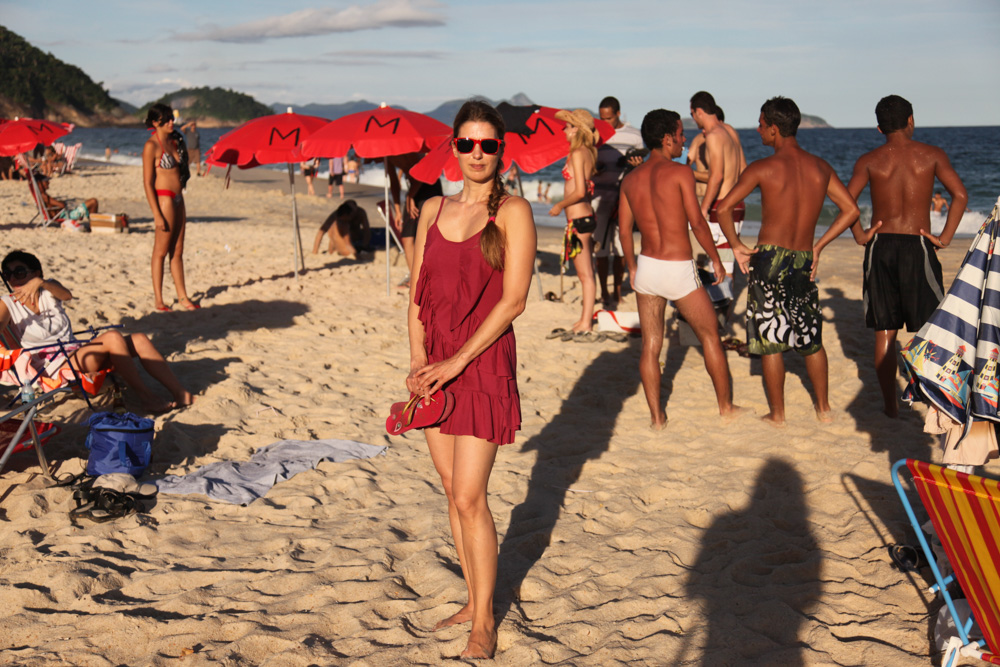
{"x":579,"y":169}
{"x":163,"y":180}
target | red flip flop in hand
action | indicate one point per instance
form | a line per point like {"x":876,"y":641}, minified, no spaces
{"x":419,"y":412}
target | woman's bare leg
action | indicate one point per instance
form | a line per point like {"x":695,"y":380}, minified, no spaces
{"x":161,"y":247}
{"x":584,"y":265}
{"x":140,"y":346}
{"x":110,"y":349}
{"x":177,"y":256}
{"x":473,"y":463}
{"x":442,"y":449}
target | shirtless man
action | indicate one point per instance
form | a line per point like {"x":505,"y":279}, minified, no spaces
{"x":724,"y":159}
{"x":902,"y":275}
{"x":938,"y":203}
{"x":782,"y":298}
{"x":659,"y":197}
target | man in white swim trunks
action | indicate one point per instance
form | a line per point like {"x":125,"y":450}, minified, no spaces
{"x":658,"y":196}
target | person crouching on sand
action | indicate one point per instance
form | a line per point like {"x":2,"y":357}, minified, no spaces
{"x":472,"y":267}
{"x":34,"y":307}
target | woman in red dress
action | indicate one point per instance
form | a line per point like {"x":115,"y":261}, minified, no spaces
{"x":472,"y":268}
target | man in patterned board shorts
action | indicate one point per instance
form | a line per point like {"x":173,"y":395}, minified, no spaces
{"x":902,"y":283}
{"x":782,"y":299}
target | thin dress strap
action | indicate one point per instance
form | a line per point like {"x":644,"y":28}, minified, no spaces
{"x":493,"y":218}
{"x":440,"y":208}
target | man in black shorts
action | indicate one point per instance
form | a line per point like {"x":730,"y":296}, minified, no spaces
{"x":902,"y":275}
{"x":416,"y":194}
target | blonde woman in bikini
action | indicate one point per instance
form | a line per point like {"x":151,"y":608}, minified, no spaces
{"x":578,"y":172}
{"x":161,"y":178}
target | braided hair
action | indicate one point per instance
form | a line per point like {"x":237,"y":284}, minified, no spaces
{"x":492,"y":242}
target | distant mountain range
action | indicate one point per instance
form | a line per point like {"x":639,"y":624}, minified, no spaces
{"x":445,"y":112}
{"x":36,"y":84}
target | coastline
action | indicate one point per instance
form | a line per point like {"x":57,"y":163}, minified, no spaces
{"x":708,"y":541}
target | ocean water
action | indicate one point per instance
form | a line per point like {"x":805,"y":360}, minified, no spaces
{"x":972,"y":151}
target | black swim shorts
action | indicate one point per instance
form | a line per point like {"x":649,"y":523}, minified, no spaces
{"x":336,"y":179}
{"x":309,"y":171}
{"x":584,"y":225}
{"x":902,"y":282}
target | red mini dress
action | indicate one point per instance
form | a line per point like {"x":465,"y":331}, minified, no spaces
{"x":456,"y":290}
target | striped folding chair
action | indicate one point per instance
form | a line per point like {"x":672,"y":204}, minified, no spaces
{"x":965,"y":512}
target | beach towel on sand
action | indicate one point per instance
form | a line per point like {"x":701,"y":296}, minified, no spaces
{"x":243,"y":482}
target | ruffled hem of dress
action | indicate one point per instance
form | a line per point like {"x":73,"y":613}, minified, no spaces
{"x":492,"y":418}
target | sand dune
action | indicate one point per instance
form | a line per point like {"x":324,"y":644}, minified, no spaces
{"x":705,"y":543}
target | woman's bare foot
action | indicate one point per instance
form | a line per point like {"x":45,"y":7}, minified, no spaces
{"x":464,"y":615}
{"x":825,"y":416}
{"x":733,"y":412}
{"x":183,"y":399}
{"x":774,"y":420}
{"x":482,"y":644}
{"x":659,"y":425}
{"x":156,"y":407}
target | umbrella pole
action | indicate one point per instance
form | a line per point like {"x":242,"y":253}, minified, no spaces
{"x":297,"y":258}
{"x":388,"y":218}
{"x":42,"y":209}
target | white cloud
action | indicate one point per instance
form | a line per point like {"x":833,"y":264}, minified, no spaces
{"x":311,"y":22}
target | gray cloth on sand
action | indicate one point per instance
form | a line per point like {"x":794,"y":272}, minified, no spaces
{"x":244,"y":482}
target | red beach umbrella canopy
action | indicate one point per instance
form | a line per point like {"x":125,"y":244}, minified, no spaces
{"x":22,"y":135}
{"x":377,"y":133}
{"x":534,"y":140}
{"x":273,"y":139}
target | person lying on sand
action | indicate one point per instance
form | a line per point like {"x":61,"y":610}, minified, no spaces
{"x":34,"y":307}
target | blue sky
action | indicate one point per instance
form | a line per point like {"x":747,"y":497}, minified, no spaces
{"x":836,"y":58}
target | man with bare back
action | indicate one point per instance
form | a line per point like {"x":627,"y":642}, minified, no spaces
{"x":902,"y":275}
{"x":723,"y":157}
{"x":782,"y":299}
{"x":658,"y":196}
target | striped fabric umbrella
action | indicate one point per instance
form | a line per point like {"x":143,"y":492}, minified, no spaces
{"x":952,"y":361}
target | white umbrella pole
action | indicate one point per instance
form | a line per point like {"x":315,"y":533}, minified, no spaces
{"x":42,"y":208}
{"x":388,"y":231}
{"x":297,"y":258}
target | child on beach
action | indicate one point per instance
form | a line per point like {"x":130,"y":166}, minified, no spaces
{"x":34,"y":307}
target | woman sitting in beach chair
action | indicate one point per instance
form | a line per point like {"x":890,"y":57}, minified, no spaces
{"x":34,"y":308}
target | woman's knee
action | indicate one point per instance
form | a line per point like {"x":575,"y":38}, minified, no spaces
{"x":469,"y":501}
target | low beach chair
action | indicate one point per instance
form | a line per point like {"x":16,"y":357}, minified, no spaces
{"x":33,"y":390}
{"x":965,"y":512}
{"x":70,"y":155}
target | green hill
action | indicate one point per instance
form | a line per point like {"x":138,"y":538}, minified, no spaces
{"x":36,"y":84}
{"x":211,"y":106}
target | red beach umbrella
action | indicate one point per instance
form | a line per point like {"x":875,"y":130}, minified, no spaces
{"x":273,"y":139}
{"x":23,"y":134}
{"x":378,"y":133}
{"x":534,"y":139}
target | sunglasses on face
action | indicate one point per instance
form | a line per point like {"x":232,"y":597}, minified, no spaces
{"x":17,"y":273}
{"x":488,"y":146}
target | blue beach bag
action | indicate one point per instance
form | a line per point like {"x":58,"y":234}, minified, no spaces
{"x":119,"y":443}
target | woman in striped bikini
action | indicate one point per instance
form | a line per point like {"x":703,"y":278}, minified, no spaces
{"x":162,"y":163}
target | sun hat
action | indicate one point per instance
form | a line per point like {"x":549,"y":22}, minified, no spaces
{"x":579,"y":118}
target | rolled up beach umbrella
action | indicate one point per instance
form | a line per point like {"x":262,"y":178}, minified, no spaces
{"x":378,"y":133}
{"x":952,"y":361}
{"x":533,"y":140}
{"x":273,"y":139}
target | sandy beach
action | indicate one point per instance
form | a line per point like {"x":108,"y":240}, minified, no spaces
{"x":706,"y":543}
